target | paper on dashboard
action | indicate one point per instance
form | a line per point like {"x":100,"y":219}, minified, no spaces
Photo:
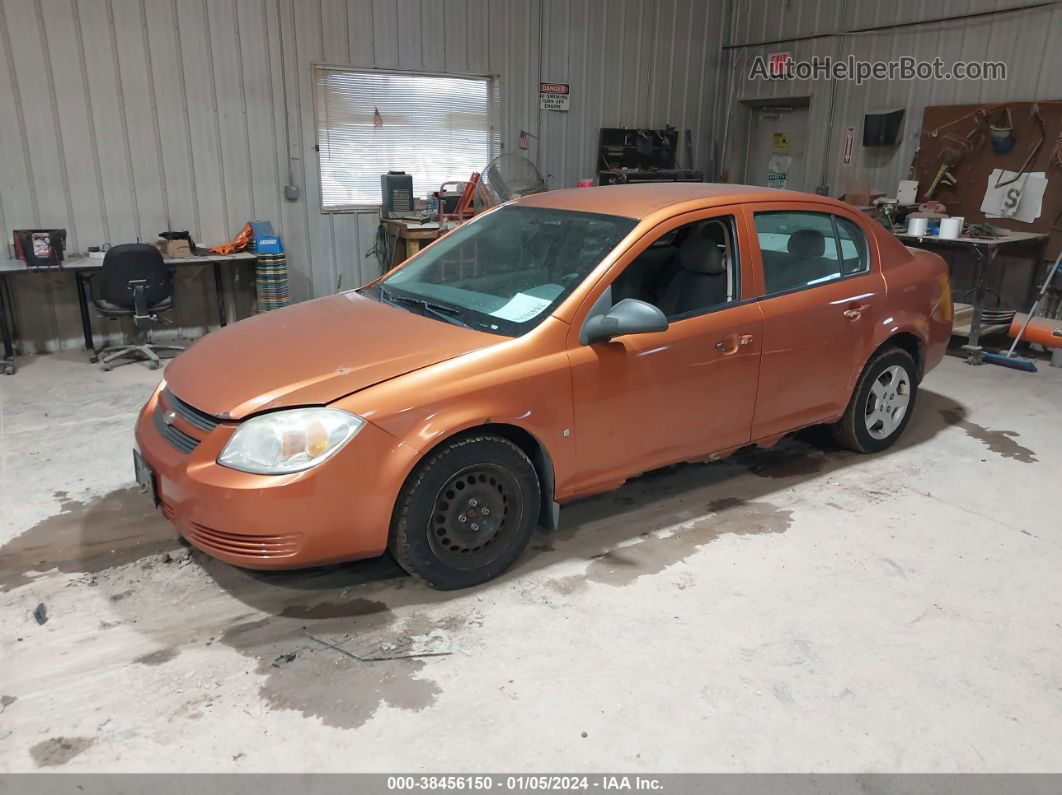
{"x":521,"y":308}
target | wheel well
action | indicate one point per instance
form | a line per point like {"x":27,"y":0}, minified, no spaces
{"x":910,"y":343}
{"x":540,"y":459}
{"x":532,"y":448}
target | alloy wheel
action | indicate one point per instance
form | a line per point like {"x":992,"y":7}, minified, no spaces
{"x":887,"y":403}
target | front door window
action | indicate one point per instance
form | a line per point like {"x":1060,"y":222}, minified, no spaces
{"x":685,"y":272}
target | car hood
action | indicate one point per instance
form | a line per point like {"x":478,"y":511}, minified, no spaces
{"x":311,"y":354}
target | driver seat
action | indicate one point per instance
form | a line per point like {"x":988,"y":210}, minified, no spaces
{"x":699,"y":280}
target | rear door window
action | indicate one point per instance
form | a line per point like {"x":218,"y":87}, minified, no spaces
{"x":853,"y":247}
{"x":803,"y":249}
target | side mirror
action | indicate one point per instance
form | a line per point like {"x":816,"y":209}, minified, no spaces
{"x":629,"y":316}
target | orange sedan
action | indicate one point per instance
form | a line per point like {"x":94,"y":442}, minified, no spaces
{"x":550,"y":349}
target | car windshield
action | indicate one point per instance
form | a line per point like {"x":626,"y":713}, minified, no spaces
{"x":506,"y":271}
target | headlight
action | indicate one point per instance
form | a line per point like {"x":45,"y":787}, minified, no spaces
{"x":289,"y":441}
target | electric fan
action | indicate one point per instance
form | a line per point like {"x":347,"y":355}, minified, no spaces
{"x":510,"y":176}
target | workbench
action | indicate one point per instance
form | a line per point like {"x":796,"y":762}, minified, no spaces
{"x":984,"y":251}
{"x":411,"y":233}
{"x":83,"y":268}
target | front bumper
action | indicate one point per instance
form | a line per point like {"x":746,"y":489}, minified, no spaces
{"x":339,"y":510}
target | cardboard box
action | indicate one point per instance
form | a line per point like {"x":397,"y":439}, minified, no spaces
{"x":861,"y":199}
{"x":175,"y":248}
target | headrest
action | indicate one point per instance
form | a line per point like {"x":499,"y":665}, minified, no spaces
{"x":700,"y":252}
{"x":807,"y":243}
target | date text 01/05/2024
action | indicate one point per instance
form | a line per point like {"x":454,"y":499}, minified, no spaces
{"x":517,"y":783}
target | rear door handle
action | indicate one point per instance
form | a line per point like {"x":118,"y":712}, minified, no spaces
{"x":856,"y":312}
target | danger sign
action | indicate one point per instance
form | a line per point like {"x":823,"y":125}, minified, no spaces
{"x":554,"y":96}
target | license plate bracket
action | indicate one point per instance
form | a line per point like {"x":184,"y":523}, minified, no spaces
{"x":145,"y":477}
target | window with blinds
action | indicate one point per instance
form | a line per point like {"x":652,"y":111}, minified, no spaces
{"x":438,"y":128}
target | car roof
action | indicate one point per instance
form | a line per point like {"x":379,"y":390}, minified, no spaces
{"x":639,"y":201}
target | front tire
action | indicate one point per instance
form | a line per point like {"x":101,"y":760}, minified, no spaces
{"x":882,"y":404}
{"x":466,"y":512}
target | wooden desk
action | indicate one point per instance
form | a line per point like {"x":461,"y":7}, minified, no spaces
{"x":985,"y":251}
{"x":83,"y":268}
{"x":411,"y":233}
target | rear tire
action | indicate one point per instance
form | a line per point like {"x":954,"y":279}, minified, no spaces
{"x":466,"y":512}
{"x":881,"y":405}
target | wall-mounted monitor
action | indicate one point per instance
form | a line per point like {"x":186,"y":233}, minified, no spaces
{"x":882,"y":128}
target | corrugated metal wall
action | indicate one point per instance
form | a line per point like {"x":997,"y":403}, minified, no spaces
{"x":123,"y":118}
{"x":1026,"y":40}
{"x":631,"y":63}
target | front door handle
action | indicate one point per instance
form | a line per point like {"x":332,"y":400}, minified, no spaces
{"x":731,"y":343}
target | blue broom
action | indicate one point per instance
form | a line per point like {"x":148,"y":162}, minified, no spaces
{"x":1018,"y":362}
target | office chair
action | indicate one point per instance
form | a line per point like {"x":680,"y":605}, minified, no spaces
{"x":135,"y":283}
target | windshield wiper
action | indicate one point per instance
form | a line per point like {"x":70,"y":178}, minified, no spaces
{"x":447,"y":313}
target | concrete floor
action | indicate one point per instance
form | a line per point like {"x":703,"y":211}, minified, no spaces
{"x":799,"y":609}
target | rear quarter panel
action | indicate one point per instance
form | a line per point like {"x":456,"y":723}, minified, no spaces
{"x":919,"y":296}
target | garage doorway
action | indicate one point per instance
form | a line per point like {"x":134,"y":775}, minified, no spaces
{"x":775,"y":156}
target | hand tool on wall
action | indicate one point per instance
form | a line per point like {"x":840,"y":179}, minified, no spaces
{"x":1034,"y":111}
{"x":952,"y":149}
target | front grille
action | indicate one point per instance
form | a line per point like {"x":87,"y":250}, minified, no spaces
{"x":190,"y":414}
{"x":175,"y":436}
{"x":169,"y":403}
{"x":273,"y":546}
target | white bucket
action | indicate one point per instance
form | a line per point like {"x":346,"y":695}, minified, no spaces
{"x":951,"y":228}
{"x":917,"y":226}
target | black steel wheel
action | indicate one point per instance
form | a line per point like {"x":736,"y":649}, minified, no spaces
{"x":466,"y":512}
{"x":472,"y":511}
